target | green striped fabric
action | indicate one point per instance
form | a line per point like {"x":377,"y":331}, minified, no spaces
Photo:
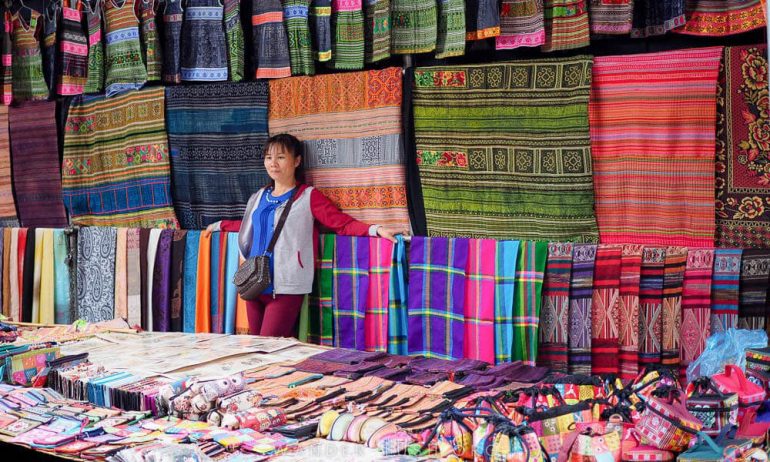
{"x":348,"y":37}
{"x":414,"y":26}
{"x":504,"y":151}
{"x":377,"y":30}
{"x":451,"y":28}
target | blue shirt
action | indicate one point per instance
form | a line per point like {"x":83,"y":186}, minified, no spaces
{"x":263,"y":220}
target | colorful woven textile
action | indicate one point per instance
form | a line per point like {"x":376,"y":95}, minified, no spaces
{"x":216,"y":288}
{"x":116,"y":168}
{"x":554,"y":316}
{"x":526,"y":307}
{"x":505,"y":291}
{"x":653,"y":148}
{"x":580,"y":301}
{"x":123,"y":58}
{"x":376,"y":30}
{"x":348,"y":35}
{"x":450,"y":39}
{"x":148,"y":266}
{"x":7,"y":58}
{"x":235,"y":40}
{"x":605,"y":306}
{"x":628,"y":310}
{"x":35,"y":162}
{"x":742,"y":150}
{"x":176,"y":278}
{"x":161,"y":278}
{"x":151,"y":48}
{"x":488,"y":166}
{"x":62,"y":300}
{"x":231,"y":294}
{"x":482,"y":19}
{"x":7,"y":204}
{"x":321,"y":320}
{"x":566,"y":24}
{"x":351,"y":291}
{"x":204,"y":54}
{"x":95,"y":75}
{"x":350,"y":125}
{"x":271,"y":56}
{"x":696,"y":306}
{"x":437,"y":297}
{"x":479,"y":312}
{"x":96,"y":273}
{"x":725,"y":287}
{"x":295,"y":16}
{"x":216,"y":133}
{"x":203,"y":284}
{"x":722,"y":17}
{"x":13,"y":275}
{"x":50,"y":24}
{"x":27,"y":63}
{"x":755,"y":277}
{"x":612,"y":17}
{"x":522,"y":24}
{"x":673,"y":277}
{"x":73,"y":54}
{"x":398,"y":315}
{"x":321,"y":28}
{"x":133,"y":277}
{"x":173,"y":17}
{"x":656,"y":17}
{"x":651,"y":305}
{"x":7,"y":273}
{"x":376,"y":319}
{"x":414,"y":26}
{"x":190,"y":280}
{"x":121,"y":274}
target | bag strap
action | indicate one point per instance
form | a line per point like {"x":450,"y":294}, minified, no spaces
{"x":731,"y":370}
{"x":704,"y":438}
{"x":281,"y":221}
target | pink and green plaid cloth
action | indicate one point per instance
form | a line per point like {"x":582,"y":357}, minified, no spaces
{"x":480,"y":300}
{"x":351,"y":291}
{"x":526,"y":309}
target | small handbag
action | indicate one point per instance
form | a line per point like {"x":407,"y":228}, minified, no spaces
{"x":253,"y":276}
{"x":667,"y":424}
{"x":715,"y":409}
{"x":733,"y":380}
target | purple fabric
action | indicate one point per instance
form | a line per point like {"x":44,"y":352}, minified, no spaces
{"x":344,"y":356}
{"x":482,"y":382}
{"x":318,"y":367}
{"x":161,"y":278}
{"x":356,"y":371}
{"x":440,"y":365}
{"x":426,"y":378}
{"x":388,"y":373}
{"x":351,"y":290}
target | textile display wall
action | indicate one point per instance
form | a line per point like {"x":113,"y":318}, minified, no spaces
{"x":503,"y":150}
{"x":350,"y":125}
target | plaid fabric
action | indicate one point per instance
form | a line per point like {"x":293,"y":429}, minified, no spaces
{"x":605,"y":343}
{"x":505,"y":288}
{"x":696,"y":304}
{"x":628,"y":319}
{"x":397,"y":309}
{"x":526,"y":308}
{"x":755,"y":272}
{"x":724,"y":289}
{"x":580,"y":300}
{"x":651,"y":305}
{"x":676,"y":259}
{"x":351,"y":291}
{"x":480,"y":300}
{"x":436,"y":296}
{"x":321,"y":326}
{"x":376,"y":313}
{"x":554,"y":317}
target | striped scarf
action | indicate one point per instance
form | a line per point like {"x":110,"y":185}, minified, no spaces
{"x":580,"y":301}
{"x":376,"y":319}
{"x":566,"y":24}
{"x":554,"y":317}
{"x":651,"y":305}
{"x":628,"y":321}
{"x":505,"y":290}
{"x":397,"y":306}
{"x":673,"y":277}
{"x":755,"y":272}
{"x":605,"y":343}
{"x":351,"y":291}
{"x":725,"y":289}
{"x":526,"y":308}
{"x":480,"y":291}
{"x":696,"y":305}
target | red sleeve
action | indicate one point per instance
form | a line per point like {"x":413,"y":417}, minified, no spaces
{"x":232,"y":226}
{"x":331,"y":217}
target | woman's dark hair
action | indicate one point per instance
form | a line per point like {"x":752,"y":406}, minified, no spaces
{"x":292,"y":145}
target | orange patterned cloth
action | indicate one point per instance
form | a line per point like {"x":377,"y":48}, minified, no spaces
{"x":723,"y":17}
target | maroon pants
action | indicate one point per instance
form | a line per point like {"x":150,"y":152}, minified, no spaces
{"x":274,"y":317}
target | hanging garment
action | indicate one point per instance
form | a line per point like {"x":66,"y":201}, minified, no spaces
{"x":216,"y":134}
{"x":350,"y":126}
{"x":629,"y":164}
{"x":13,"y":276}
{"x":398,"y":315}
{"x":673,"y":278}
{"x":148,"y":316}
{"x":121,"y":274}
{"x":611,"y":17}
{"x":505,"y":291}
{"x":295,"y":15}
{"x":270,"y":45}
{"x":755,"y":277}
{"x":7,"y":273}
{"x":482,"y":19}
{"x":376,"y":30}
{"x":554,"y":316}
{"x":144,"y":241}
{"x":323,"y":315}
{"x":176,"y":276}
{"x":241,"y":316}
{"x":450,"y":35}
{"x":95,"y":77}
{"x":7,"y":58}
{"x":566,"y":25}
{"x":50,"y":19}
{"x":172,"y":37}
{"x":231,"y":294}
{"x":152,"y":53}
{"x":743,"y":193}
{"x":348,"y":35}
{"x":718,"y":18}
{"x":47,"y":307}
{"x":414,"y":26}
{"x":28,"y":80}
{"x":436,"y":297}
{"x":125,"y":69}
{"x":73,"y":52}
{"x":522,"y":24}
{"x":526,"y":308}
{"x":8,"y":217}
{"x":204,"y":54}
{"x":449,"y":118}
{"x":203,"y":285}
{"x":376,"y":314}
{"x":36,"y":274}
{"x":605,"y":306}
{"x":95,"y":273}
{"x":190,"y":281}
{"x":656,"y":17}
{"x":321,"y":29}
{"x":725,"y":289}
{"x":27,"y":272}
{"x":133,"y":277}
{"x":72,"y":245}
{"x":651,"y":305}
{"x":580,"y":301}
{"x":62,"y":299}
{"x":235,"y":40}
{"x":351,"y":291}
{"x":479,"y":314}
{"x":36,"y":173}
{"x":217,"y":308}
{"x":696,"y":306}
{"x":100,"y":172}
{"x":161,"y":277}
{"x":628,"y":309}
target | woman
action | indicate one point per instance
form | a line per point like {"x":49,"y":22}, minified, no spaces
{"x":275,"y":312}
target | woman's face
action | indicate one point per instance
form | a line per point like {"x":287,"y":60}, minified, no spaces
{"x":280,"y":163}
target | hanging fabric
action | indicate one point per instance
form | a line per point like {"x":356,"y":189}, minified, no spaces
{"x":725,"y":286}
{"x":505,"y":291}
{"x":173,"y":14}
{"x":190,"y":281}
{"x":235,"y":40}
{"x":398,"y":315}
{"x":414,"y":26}
{"x":377,"y":30}
{"x":554,"y":316}
{"x":218,"y":257}
{"x":628,"y":309}
{"x":651,"y":305}
{"x":121,"y":274}
{"x":526,"y":309}
{"x":161,"y":277}
{"x":13,"y":276}
{"x":50,"y":22}
{"x":176,"y":276}
{"x":755,"y":277}
{"x":241,"y":316}
{"x":351,"y":291}
{"x":62,"y":262}
{"x":656,"y":17}
{"x":450,"y":35}
{"x":7,"y":58}
{"x":673,"y":277}
{"x":27,"y":254}
{"x":47,"y":313}
{"x":566,"y":25}
{"x":605,"y":342}
{"x":718,"y":18}
{"x":479,"y":314}
{"x":36,"y":275}
{"x":376,"y":314}
{"x":149,"y":278}
{"x":7,"y":273}
{"x":696,"y":306}
{"x":271,"y":56}
{"x":95,"y":76}
{"x":133,"y":277}
{"x":203,"y":284}
{"x":125,"y":69}
{"x":204,"y":54}
{"x":522,"y":24}
{"x":231,"y":294}
{"x":73,"y":51}
{"x":326,"y":289}
{"x":580,"y":301}
{"x":295,"y":16}
{"x":152,"y":53}
{"x":8,"y":217}
{"x":611,"y":17}
{"x":95,"y":273}
{"x":482,"y":19}
{"x":348,"y":35}
{"x":320,"y":28}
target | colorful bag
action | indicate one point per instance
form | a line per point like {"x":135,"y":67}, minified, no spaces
{"x":555,"y":424}
{"x":759,"y":377}
{"x":758,"y":359}
{"x":667,"y":424}
{"x":632,"y":449}
{"x":749,"y":428}
{"x":593,"y":442}
{"x":577,"y":388}
{"x":733,"y":380}
{"x":715,"y":409}
{"x":22,"y":368}
{"x":708,"y":449}
{"x":513,"y":443}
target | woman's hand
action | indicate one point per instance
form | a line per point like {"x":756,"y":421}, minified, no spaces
{"x":390,"y":232}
